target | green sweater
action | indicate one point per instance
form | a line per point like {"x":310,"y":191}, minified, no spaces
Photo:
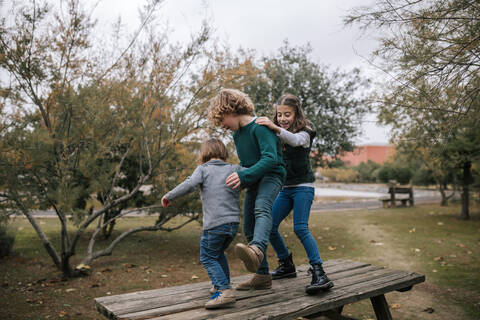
{"x":260,"y":151}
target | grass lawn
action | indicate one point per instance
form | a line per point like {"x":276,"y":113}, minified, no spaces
{"x":425,"y":239}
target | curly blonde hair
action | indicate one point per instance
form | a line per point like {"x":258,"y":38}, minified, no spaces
{"x":229,"y":101}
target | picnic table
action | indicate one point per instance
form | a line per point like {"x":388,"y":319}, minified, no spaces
{"x":354,"y":281}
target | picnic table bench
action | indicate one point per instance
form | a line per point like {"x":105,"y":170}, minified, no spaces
{"x":354,"y":281}
{"x":406,"y":195}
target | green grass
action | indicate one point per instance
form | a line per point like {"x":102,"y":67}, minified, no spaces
{"x":34,"y":288}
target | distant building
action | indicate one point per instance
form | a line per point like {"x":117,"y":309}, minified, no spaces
{"x":375,"y":153}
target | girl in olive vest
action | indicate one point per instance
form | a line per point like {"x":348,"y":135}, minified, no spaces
{"x":297,"y":136}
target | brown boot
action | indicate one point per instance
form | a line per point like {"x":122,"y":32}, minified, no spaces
{"x":220,"y":299}
{"x":257,"y":282}
{"x":251,"y":256}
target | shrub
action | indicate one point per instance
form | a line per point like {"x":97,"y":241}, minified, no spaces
{"x":389,"y":172}
{"x":340,"y":174}
{"x":367,"y":171}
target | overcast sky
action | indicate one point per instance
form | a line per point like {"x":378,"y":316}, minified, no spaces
{"x":263,"y":25}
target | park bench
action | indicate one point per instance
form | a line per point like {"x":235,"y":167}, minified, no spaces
{"x":354,"y":281}
{"x":405,"y":195}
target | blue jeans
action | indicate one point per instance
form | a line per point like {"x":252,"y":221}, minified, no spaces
{"x":257,"y":214}
{"x":213,"y":243}
{"x":300,"y":200}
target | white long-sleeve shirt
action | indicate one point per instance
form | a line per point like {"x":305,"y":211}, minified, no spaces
{"x":301,"y":138}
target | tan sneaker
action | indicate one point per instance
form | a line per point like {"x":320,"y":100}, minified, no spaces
{"x":257,"y":282}
{"x":251,"y":256}
{"x":220,"y":299}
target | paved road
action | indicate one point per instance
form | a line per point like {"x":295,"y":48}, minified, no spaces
{"x":362,"y":204}
{"x":317,"y":206}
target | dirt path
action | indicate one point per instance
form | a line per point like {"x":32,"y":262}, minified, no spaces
{"x":412,"y":304}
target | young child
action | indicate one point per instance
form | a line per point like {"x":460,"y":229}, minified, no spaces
{"x":221,"y":216}
{"x":297,"y":136}
{"x":259,"y":150}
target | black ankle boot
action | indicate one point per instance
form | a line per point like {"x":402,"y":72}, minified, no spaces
{"x":320,"y":281}
{"x":285,"y":269}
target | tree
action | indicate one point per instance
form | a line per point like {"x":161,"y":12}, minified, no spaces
{"x":432,"y":54}
{"x":438,"y":40}
{"x":86,"y":120}
{"x":333,"y":100}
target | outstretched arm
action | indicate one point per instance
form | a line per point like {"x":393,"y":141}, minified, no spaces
{"x":187,"y":186}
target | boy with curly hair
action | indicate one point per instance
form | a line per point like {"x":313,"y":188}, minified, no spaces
{"x":259,"y":150}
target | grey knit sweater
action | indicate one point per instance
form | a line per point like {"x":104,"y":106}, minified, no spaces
{"x":221,"y":204}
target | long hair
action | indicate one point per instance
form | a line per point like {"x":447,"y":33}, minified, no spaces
{"x":300,"y":122}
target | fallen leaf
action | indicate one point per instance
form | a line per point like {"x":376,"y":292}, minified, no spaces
{"x":440,"y":223}
{"x":331,"y":248}
{"x":62,"y":314}
{"x":434,"y":270}
{"x":70,"y":290}
{"x":395,"y":306}
{"x":82,"y":266}
{"x":194,"y":277}
{"x":412,"y":230}
{"x":469,"y":252}
{"x":460,"y":245}
{"x":163,"y":276}
{"x":429,"y":310}
{"x":417,"y":250}
{"x":440,"y":258}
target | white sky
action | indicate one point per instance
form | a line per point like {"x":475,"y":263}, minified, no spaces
{"x":263,"y":25}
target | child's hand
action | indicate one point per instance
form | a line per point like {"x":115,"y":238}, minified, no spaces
{"x":264,"y":121}
{"x":233,"y":181}
{"x":165,"y":202}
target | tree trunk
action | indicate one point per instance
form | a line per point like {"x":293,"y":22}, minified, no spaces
{"x":444,"y":201}
{"x":467,"y":166}
{"x":66,"y":269}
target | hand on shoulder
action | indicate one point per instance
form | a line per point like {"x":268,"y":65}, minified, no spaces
{"x":264,"y":121}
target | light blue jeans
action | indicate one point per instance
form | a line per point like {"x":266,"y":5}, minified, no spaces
{"x":257,"y":216}
{"x":300,"y":200}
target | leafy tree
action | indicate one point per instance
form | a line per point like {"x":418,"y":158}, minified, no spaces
{"x":87,"y":126}
{"x":432,"y":54}
{"x":333,"y":100}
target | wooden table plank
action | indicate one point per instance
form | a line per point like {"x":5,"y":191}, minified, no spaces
{"x":329,"y":266}
{"x":157,"y":302}
{"x":305,"y":305}
{"x":109,"y":305}
{"x":258,"y":298}
{"x":287,"y":299}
